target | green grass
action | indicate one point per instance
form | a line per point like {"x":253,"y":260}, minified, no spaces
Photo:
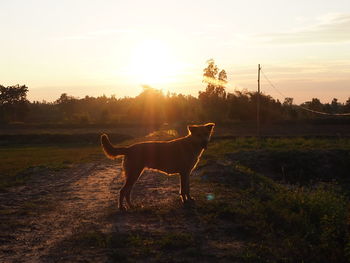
{"x":278,"y":223}
{"x":293,"y":160}
{"x":221,"y":147}
{"x":176,"y":241}
{"x":131,"y":246}
{"x":298,"y":224}
{"x":22,"y":156}
{"x":17,"y":163}
{"x":302,"y":221}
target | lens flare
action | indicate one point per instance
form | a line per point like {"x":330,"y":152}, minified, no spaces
{"x":210,"y":197}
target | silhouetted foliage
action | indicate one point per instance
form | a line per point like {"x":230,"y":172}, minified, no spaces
{"x":13,"y":103}
{"x":213,"y":99}
{"x":152,"y":108}
{"x":347,"y":105}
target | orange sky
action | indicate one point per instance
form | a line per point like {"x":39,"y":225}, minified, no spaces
{"x":112,"y":47}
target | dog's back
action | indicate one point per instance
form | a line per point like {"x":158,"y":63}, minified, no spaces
{"x":171,"y":157}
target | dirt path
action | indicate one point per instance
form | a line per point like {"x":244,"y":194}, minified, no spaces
{"x":36,"y":219}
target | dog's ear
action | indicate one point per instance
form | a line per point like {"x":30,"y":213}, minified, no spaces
{"x":192,"y":129}
{"x":210,"y":126}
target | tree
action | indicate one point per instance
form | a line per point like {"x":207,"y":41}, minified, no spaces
{"x":67,"y":105}
{"x":347,"y":102}
{"x":13,"y":102}
{"x":215,"y":79}
{"x":213,"y":99}
{"x":347,"y":105}
{"x":314,"y":104}
{"x":13,"y":94}
{"x":222,"y":81}
{"x":335,"y":105}
{"x":288,"y":101}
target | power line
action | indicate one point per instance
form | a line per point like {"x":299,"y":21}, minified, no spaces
{"x":323,"y":113}
{"x":258,"y":105}
{"x":273,"y":86}
{"x":302,"y":107}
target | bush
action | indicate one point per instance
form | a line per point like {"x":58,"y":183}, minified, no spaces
{"x":299,"y":224}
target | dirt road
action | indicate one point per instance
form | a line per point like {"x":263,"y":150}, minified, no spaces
{"x":37,"y":219}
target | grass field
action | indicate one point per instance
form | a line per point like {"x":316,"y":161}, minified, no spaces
{"x":21,"y":158}
{"x":19,"y":162}
{"x":278,"y":143}
{"x":239,"y":216}
{"x":24,"y":154}
{"x":269,"y":200}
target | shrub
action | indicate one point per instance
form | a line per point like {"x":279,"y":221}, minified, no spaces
{"x":299,"y":223}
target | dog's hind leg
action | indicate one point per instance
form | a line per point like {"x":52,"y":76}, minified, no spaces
{"x":132,"y":178}
{"x":125,"y":193}
{"x":122,"y":196}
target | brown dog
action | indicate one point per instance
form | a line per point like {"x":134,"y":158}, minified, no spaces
{"x":176,"y":156}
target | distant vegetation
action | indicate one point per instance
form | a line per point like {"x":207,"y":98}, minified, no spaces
{"x":152,"y":107}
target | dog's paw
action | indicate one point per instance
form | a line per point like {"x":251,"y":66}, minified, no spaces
{"x":191,"y":199}
{"x":183,"y":199}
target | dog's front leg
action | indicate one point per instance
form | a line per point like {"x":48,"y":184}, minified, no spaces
{"x":187,"y":188}
{"x":183,"y":187}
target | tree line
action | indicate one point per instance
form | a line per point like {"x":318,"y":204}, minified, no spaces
{"x":153,"y":107}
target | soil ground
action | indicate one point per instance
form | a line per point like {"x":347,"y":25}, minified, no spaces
{"x":50,"y":218}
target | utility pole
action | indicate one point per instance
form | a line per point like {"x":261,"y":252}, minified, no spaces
{"x":258,"y":105}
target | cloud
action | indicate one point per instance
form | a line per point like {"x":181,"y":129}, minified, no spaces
{"x":96,"y":34}
{"x":110,"y":31}
{"x":333,"y":28}
{"x":77,"y":37}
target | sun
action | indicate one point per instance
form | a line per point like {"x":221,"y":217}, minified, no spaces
{"x":152,"y":62}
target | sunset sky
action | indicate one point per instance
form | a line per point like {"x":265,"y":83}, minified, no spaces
{"x":83,"y":47}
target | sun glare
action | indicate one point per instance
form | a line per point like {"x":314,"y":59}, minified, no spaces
{"x":152,"y":62}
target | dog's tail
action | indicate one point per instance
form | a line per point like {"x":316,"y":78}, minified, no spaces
{"x":111,"y":151}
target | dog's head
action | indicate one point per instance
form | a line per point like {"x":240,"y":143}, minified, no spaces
{"x":202,"y":133}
